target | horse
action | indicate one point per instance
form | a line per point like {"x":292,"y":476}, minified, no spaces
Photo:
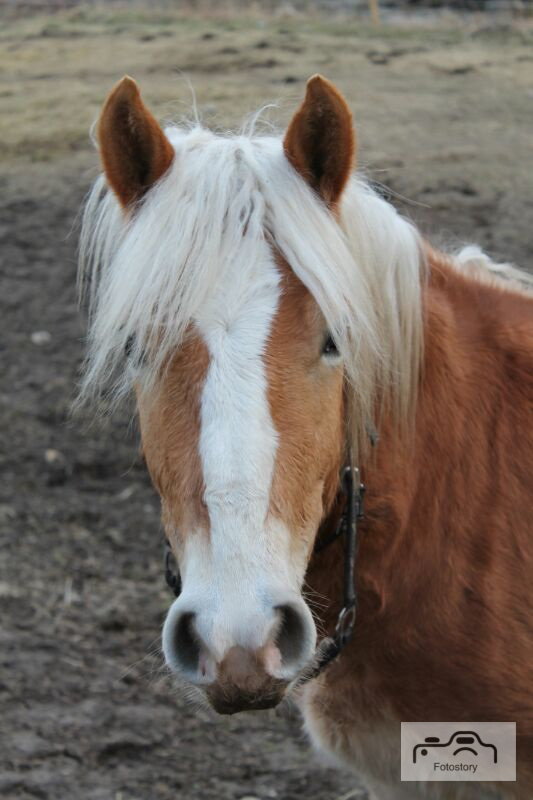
{"x":287,"y":334}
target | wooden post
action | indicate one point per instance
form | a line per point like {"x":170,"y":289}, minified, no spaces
{"x":374,"y":11}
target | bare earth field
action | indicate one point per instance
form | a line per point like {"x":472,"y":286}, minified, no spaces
{"x":444,"y":113}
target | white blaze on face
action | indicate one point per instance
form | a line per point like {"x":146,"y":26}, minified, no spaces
{"x":238,"y":441}
{"x":235,"y":574}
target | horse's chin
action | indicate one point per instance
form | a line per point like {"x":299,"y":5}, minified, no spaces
{"x":231,"y":699}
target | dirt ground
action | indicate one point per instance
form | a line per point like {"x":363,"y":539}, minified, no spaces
{"x":444,"y":113}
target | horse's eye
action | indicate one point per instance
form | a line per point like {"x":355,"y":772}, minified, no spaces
{"x":329,"y":348}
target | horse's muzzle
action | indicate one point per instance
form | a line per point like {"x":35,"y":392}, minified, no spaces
{"x":231,"y":699}
{"x":242,"y":653}
{"x":243,"y":684}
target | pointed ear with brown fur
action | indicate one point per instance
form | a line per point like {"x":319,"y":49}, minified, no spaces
{"x":320,"y":140}
{"x":134,"y":150}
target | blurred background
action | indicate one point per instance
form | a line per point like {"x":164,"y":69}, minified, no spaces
{"x":443,"y":101}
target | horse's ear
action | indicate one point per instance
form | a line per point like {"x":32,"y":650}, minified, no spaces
{"x":320,"y":140}
{"x":135,"y":152}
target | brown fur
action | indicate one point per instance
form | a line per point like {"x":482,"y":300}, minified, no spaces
{"x":170,"y":429}
{"x":134,"y":150}
{"x":445,"y":562}
{"x":306,"y":403}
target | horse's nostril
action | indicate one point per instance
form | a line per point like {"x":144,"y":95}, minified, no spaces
{"x":198,"y":645}
{"x":291,"y":635}
{"x":185,"y":643}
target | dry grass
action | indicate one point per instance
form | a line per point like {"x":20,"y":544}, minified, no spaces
{"x":55,"y":70}
{"x":442,"y":106}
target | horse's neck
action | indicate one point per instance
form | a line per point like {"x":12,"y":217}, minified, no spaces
{"x":476,"y":370}
{"x":430,"y":498}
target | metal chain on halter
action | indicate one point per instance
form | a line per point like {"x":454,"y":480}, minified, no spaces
{"x":331,"y":646}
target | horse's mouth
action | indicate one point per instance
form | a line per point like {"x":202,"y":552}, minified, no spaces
{"x":230,"y":699}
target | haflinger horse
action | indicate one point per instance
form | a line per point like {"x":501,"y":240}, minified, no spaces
{"x":282,"y":325}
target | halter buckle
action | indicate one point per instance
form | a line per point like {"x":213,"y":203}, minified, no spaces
{"x":345,"y":624}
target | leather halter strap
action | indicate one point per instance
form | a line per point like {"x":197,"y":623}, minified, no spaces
{"x":330,"y":647}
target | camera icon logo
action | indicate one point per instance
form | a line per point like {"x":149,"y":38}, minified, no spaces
{"x":459,"y":742}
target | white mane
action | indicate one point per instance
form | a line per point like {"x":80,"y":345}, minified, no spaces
{"x":146,"y":275}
